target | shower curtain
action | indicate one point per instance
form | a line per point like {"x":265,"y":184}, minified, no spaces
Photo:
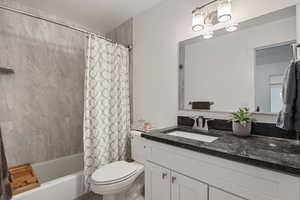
{"x":106,"y":109}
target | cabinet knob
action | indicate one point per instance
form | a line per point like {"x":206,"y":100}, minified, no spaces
{"x":164,"y":175}
{"x":173,"y":179}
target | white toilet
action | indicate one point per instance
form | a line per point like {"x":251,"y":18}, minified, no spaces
{"x":114,"y":179}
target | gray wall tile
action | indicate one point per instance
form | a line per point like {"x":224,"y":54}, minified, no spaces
{"x":41,"y":105}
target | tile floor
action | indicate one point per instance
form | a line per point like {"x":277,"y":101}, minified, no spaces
{"x":89,"y":196}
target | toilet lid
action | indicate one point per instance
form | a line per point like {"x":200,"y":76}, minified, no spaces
{"x":114,"y":172}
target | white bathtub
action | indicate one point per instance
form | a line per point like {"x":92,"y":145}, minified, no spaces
{"x":62,"y":179}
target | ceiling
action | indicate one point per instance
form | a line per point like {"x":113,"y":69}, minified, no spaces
{"x":98,"y":15}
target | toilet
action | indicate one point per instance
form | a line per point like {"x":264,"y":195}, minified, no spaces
{"x":113,"y":180}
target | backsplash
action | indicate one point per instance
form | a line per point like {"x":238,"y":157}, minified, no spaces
{"x":262,"y":129}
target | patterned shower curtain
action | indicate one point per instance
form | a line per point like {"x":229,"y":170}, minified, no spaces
{"x":106,"y":109}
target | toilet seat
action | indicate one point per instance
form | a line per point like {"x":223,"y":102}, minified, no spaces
{"x":115,"y":177}
{"x":114,"y":173}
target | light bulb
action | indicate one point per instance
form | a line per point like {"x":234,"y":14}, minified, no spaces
{"x":208,"y":35}
{"x":224,"y":11}
{"x":232,"y":27}
{"x":198,"y":20}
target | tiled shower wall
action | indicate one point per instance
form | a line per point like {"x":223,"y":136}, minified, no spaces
{"x":41,"y":105}
{"x":123,"y":34}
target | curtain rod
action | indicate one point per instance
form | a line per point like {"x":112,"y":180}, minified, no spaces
{"x":57,"y":23}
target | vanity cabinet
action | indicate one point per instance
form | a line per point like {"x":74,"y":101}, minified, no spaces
{"x":164,"y":184}
{"x":174,"y":173}
{"x":216,"y":194}
{"x":157,"y":180}
{"x":185,"y":188}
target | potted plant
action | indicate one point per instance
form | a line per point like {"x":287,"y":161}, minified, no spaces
{"x":242,"y":122}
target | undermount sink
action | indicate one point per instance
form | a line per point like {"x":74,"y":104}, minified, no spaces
{"x":193,"y":136}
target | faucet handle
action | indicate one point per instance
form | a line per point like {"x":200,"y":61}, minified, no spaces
{"x":203,"y":121}
{"x":194,"y":117}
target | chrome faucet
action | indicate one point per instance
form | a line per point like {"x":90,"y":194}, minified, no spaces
{"x":200,"y":123}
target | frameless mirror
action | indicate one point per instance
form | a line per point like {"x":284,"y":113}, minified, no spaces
{"x":238,"y":69}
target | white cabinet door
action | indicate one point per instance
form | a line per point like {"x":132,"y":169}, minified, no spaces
{"x":185,"y":188}
{"x":216,"y":194}
{"x":158,"y":182}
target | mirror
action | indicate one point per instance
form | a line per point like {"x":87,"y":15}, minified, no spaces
{"x":238,"y":69}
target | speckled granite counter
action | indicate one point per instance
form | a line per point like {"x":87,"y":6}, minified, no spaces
{"x":281,"y":155}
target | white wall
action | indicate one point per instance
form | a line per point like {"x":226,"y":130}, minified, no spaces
{"x":298,"y":22}
{"x":222,"y":69}
{"x":156,"y":35}
{"x":298,"y":26}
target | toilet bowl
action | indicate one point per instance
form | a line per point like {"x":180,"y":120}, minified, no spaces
{"x":114,"y":179}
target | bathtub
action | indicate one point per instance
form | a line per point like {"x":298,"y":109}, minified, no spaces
{"x":61,"y":179}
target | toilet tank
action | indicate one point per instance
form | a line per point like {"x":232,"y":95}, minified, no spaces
{"x":138,"y":147}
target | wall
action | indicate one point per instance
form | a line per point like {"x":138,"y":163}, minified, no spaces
{"x":123,"y":33}
{"x":156,"y":34}
{"x":298,"y":27}
{"x":222,"y":70}
{"x":41,"y":105}
{"x":298,"y":22}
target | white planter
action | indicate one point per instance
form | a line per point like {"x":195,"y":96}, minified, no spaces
{"x":240,"y":130}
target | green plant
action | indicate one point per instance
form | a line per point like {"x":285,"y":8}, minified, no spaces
{"x":242,"y":116}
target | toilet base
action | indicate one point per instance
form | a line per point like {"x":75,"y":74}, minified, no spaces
{"x":134,"y":191}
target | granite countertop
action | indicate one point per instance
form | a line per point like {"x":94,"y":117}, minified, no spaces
{"x":281,"y":155}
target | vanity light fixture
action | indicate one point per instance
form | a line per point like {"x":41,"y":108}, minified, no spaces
{"x":224,"y":11}
{"x":198,"y":20}
{"x":212,"y":13}
{"x":208,"y":35}
{"x":232,"y":27}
